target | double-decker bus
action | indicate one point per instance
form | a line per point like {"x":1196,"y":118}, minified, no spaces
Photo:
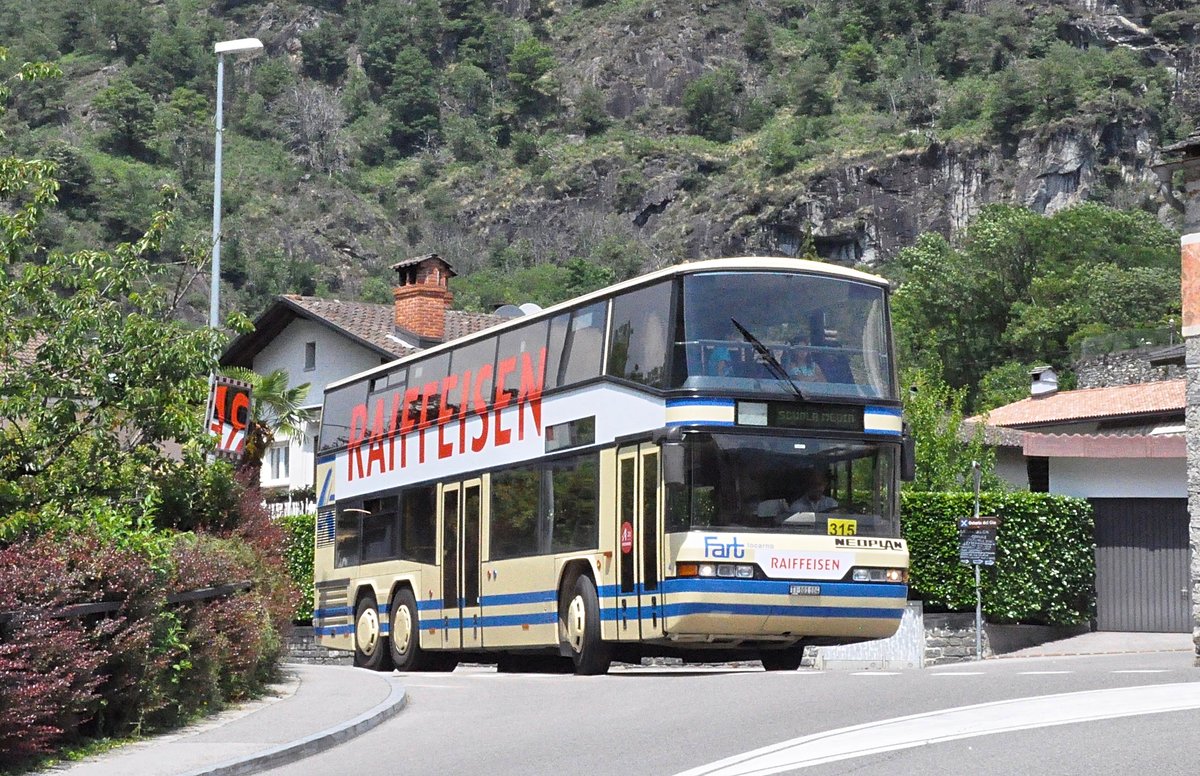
{"x":701,"y":462}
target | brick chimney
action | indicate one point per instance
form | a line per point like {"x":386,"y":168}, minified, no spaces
{"x":423,"y":295}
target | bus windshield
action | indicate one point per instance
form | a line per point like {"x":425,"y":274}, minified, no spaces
{"x":828,"y":333}
{"x":789,"y":484}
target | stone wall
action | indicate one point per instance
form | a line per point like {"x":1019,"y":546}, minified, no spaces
{"x":950,"y":638}
{"x":1123,"y":367}
{"x":303,"y":648}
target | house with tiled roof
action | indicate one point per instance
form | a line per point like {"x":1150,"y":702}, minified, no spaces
{"x":319,"y":341}
{"x":1123,"y":448}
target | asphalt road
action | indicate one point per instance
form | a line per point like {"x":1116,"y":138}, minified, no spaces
{"x":743,"y":721}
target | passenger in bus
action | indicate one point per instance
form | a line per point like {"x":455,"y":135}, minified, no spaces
{"x":799,"y":363}
{"x":813,"y":497}
{"x":720,"y":361}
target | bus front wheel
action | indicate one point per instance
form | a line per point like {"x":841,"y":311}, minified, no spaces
{"x":369,"y":648}
{"x":580,"y":616}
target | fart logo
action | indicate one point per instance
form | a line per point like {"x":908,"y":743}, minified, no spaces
{"x":714,"y":547}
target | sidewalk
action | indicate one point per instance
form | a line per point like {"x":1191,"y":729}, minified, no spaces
{"x":1107,"y":643}
{"x":316,"y":707}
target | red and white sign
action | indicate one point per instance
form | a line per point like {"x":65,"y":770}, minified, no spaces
{"x":626,"y":538}
{"x":804,"y":565}
{"x":229,"y":415}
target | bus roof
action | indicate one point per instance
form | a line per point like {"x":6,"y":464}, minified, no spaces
{"x":686,"y":268}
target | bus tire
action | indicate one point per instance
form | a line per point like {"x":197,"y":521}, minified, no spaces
{"x":370,"y":645}
{"x":782,"y":659}
{"x":580,"y":623}
{"x":404,"y":646}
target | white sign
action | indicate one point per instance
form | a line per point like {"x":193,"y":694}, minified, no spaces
{"x":804,"y":565}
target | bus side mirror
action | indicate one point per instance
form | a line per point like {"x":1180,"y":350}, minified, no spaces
{"x":908,"y":457}
{"x":672,"y":458}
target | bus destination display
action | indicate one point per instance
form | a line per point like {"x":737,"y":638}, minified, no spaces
{"x":816,"y":417}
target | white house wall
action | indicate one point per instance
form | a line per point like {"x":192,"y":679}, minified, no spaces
{"x":337,"y":357}
{"x":1119,"y":477}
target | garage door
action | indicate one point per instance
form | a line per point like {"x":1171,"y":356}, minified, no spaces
{"x":1142,"y":577}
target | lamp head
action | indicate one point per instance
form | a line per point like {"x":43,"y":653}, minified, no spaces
{"x":242,"y":46}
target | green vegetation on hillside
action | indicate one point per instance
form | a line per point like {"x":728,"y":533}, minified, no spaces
{"x":374,"y":129}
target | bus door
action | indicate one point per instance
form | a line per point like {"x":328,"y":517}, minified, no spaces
{"x":639,"y":549}
{"x":459,"y":517}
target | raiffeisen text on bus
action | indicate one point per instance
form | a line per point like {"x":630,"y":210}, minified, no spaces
{"x":446,"y":408}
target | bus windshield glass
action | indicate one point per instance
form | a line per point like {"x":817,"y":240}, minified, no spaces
{"x":829,"y":334}
{"x":789,"y":484}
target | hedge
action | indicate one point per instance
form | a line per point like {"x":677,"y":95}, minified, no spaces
{"x":298,"y":556}
{"x":1045,"y":556}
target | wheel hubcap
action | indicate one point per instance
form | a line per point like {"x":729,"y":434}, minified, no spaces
{"x":576,"y":623}
{"x":402,"y":629}
{"x":367,"y":631}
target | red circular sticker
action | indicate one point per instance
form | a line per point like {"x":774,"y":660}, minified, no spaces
{"x":626,"y":537}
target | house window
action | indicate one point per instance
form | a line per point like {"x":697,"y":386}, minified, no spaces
{"x":277,"y":460}
{"x":1038,"y":470}
{"x":310,"y":356}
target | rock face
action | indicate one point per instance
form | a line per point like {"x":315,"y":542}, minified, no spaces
{"x":858,"y":210}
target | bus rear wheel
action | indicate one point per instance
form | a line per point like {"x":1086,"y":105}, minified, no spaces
{"x":788,"y":659}
{"x":579,"y":615}
{"x":370,"y":649}
{"x":405,"y":642}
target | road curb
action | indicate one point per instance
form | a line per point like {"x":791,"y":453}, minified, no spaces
{"x":315,"y":743}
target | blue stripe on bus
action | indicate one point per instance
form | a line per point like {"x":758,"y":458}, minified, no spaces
{"x":700,"y":423}
{"x":782,"y":587}
{"x":883,"y":410}
{"x":700,"y":402}
{"x":333,"y":611}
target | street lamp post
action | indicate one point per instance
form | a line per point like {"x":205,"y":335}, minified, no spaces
{"x":242,"y":46}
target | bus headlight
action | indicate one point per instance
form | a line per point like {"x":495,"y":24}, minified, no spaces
{"x":722,"y":570}
{"x":880,"y":575}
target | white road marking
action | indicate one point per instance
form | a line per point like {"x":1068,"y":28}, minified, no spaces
{"x":1142,"y":671}
{"x":875,"y":673}
{"x":1043,"y":673}
{"x":958,"y":673}
{"x":954,"y":724}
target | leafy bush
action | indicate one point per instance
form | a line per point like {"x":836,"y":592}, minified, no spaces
{"x":298,"y":554}
{"x":1045,"y":566}
{"x":65,"y":677}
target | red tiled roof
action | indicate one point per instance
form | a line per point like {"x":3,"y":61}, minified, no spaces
{"x":1105,"y":446}
{"x":460,"y":323}
{"x":1161,"y":397}
{"x":372,"y":323}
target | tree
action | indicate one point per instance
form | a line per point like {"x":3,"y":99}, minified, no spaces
{"x":528,"y":66}
{"x":275,"y":408}
{"x":129,"y":113}
{"x":710,"y":104}
{"x":314,"y":124}
{"x":323,"y":51}
{"x":934,"y":413}
{"x":411,"y":100}
{"x":1022,"y":285}
{"x":183,"y":127}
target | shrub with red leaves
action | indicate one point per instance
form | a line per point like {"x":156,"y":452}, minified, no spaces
{"x":63,"y":676}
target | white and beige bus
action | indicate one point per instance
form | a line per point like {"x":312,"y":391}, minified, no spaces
{"x":701,"y":462}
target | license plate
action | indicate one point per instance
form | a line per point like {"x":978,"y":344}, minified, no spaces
{"x":805,"y":590}
{"x":842,"y":527}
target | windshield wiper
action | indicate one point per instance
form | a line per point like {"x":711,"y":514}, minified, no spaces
{"x":768,"y":358}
